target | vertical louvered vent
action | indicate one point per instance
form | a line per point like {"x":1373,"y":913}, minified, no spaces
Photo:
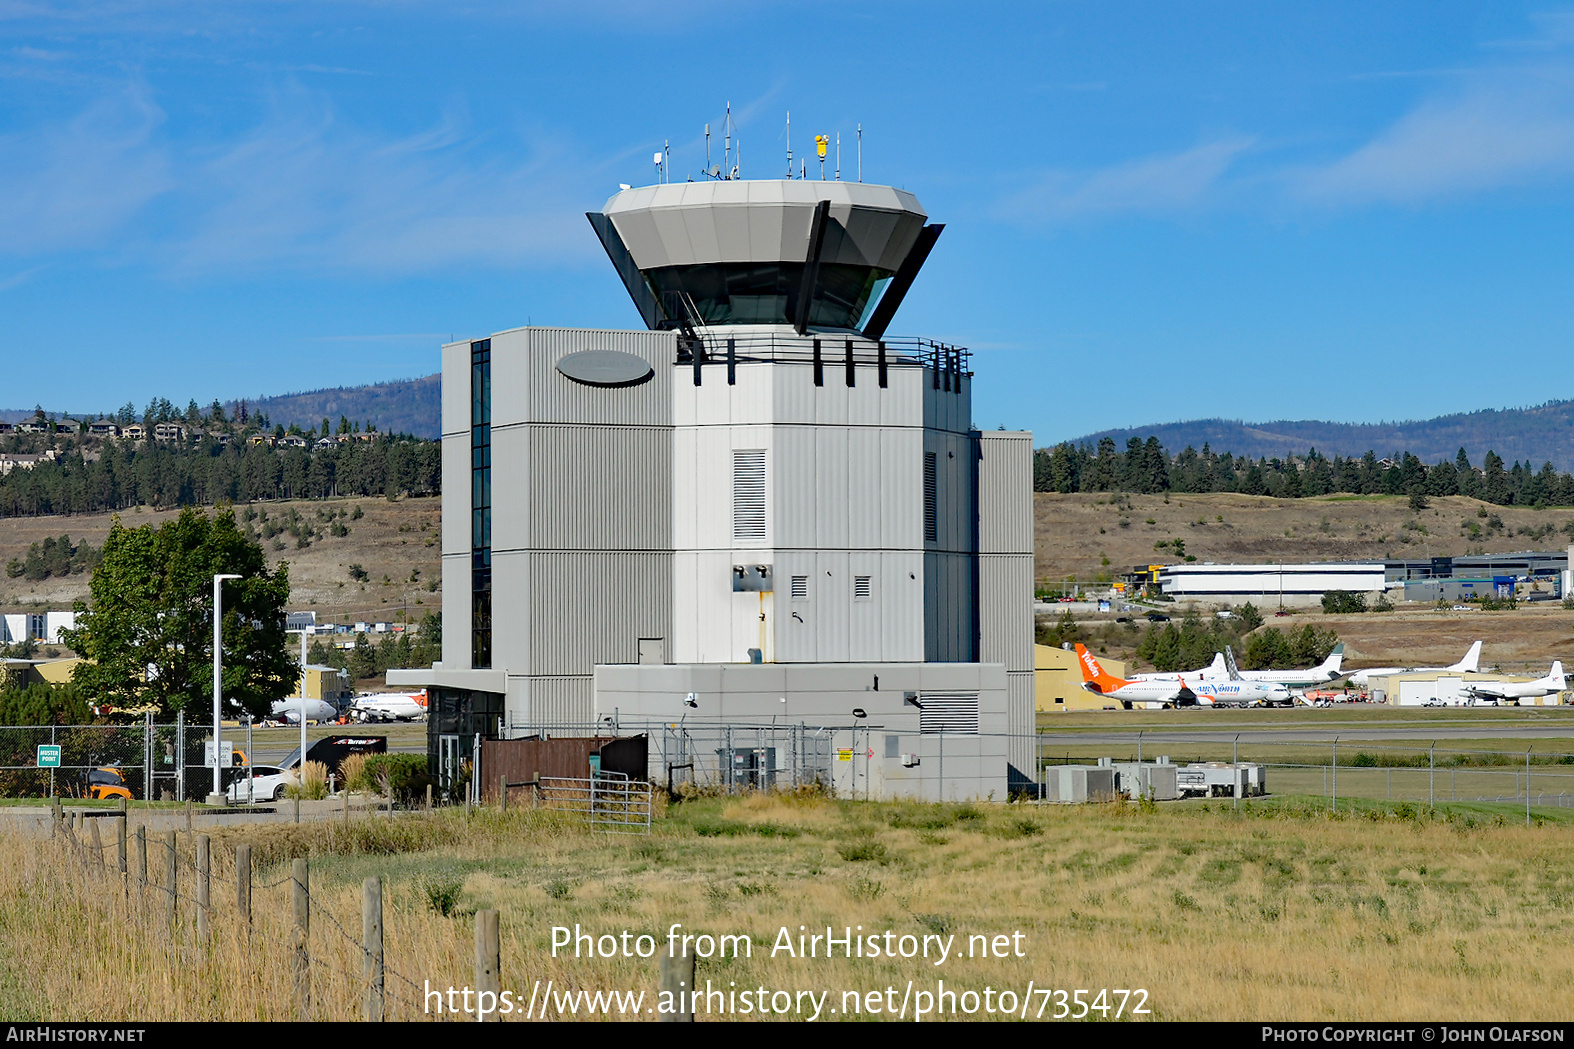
{"x":953,"y":713}
{"x":863,"y":588}
{"x":800,"y":588}
{"x":748,"y":495}
{"x":931,"y":529}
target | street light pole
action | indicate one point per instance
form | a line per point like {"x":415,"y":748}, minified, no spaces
{"x":217,"y":797}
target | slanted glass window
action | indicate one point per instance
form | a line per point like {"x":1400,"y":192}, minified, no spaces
{"x":766,"y":293}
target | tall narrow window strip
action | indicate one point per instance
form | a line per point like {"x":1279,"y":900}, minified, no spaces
{"x":748,"y":495}
{"x":931,"y":522}
{"x":481,"y":504}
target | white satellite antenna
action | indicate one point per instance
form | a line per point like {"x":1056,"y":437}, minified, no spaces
{"x":789,"y":143}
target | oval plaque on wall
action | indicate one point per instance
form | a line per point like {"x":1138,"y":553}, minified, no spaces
{"x":605,"y":368}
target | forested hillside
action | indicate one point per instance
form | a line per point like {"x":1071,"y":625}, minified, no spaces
{"x":1146,"y":467}
{"x":1544,"y":433}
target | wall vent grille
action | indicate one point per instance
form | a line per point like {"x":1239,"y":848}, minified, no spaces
{"x":952,"y":713}
{"x":748,"y":495}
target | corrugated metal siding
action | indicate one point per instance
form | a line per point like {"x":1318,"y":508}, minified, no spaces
{"x":511,"y":611}
{"x":559,"y":700}
{"x":553,"y":398}
{"x":600,"y":488}
{"x":1019,"y":715}
{"x":954,"y":518}
{"x":829,"y":465}
{"x":1005,"y":493}
{"x":948,"y":608}
{"x":589,"y":608}
{"x":944,"y":410}
{"x":901,"y":490}
{"x":512,"y":485}
{"x":793,"y":484}
{"x":1005,"y":601}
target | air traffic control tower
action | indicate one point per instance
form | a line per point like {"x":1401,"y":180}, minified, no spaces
{"x":759,"y":509}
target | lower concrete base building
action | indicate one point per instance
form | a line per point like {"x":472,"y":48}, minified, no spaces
{"x":929,"y":731}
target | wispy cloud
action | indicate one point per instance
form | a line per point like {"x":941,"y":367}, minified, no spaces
{"x":68,"y":187}
{"x":307,"y":190}
{"x":1162,"y":183}
{"x":1514,"y":131}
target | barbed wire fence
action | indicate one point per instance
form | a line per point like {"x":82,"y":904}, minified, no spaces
{"x":178,"y":905}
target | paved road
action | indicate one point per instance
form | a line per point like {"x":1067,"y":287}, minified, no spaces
{"x":1302,"y":733}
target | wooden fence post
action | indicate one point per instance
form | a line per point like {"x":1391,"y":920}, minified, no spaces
{"x":502,"y":792}
{"x":141,"y":855}
{"x":170,"y":879}
{"x":677,"y":980}
{"x":428,"y":797}
{"x":120,"y":841}
{"x":243,"y":888}
{"x":488,"y":959}
{"x":204,"y":885}
{"x":372,"y":938}
{"x":98,"y":848}
{"x":302,"y":961}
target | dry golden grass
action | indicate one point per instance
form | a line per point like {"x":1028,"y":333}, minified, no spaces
{"x":1216,"y":915}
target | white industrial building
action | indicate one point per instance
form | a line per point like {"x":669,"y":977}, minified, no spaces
{"x":1294,"y":584}
{"x":17,"y":627}
{"x":757,"y":516}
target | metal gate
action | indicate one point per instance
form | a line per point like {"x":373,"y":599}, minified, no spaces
{"x":607,"y":800}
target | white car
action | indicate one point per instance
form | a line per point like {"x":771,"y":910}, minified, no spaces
{"x":264,"y":783}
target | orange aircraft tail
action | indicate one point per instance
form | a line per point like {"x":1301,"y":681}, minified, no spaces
{"x":1094,"y":677}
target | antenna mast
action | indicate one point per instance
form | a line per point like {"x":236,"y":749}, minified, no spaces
{"x":860,"y":152}
{"x":838,"y":156}
{"x":789,"y":143}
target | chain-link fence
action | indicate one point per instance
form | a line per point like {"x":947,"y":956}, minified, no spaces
{"x":1341,"y":771}
{"x":156,"y":761}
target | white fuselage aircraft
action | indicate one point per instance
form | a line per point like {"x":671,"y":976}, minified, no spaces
{"x":1178,"y":693}
{"x":316,"y":710}
{"x":1511,"y":691}
{"x":1468,"y":665}
{"x":1219,"y":670}
{"x":389,"y":706}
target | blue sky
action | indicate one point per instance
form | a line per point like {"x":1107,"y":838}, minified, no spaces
{"x":1154,"y":211}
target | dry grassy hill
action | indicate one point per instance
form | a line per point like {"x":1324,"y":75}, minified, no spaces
{"x":396,"y":544}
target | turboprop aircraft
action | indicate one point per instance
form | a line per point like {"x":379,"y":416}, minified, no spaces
{"x":1501,"y":691}
{"x":1468,"y":665}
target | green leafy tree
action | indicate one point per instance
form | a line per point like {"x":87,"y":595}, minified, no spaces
{"x":148,"y":637}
